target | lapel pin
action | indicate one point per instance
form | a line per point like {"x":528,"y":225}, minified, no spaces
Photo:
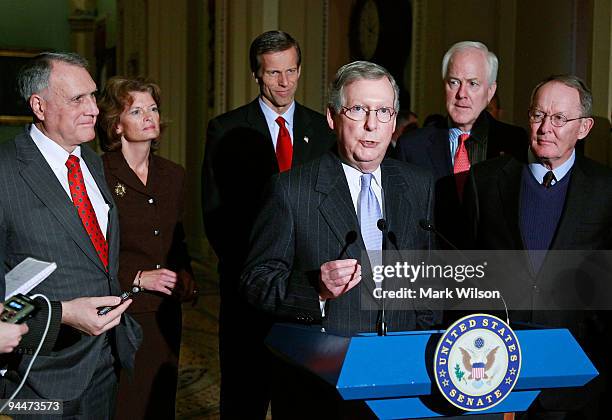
{"x":306,"y":139}
{"x":120,"y":189}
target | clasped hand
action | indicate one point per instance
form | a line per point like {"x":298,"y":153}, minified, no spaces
{"x":338,"y":277}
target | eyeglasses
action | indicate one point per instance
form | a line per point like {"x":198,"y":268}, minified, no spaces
{"x":557,"y":120}
{"x":359,"y":113}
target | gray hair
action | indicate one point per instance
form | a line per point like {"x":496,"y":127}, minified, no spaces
{"x":34,"y":75}
{"x":492,"y":62}
{"x":358,"y":70}
{"x":572,"y":81}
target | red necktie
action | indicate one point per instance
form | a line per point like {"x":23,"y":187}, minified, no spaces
{"x":81,"y":201}
{"x":462,"y":164}
{"x":284,"y":148}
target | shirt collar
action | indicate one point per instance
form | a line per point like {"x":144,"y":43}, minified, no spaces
{"x":355,"y":174}
{"x":538,"y":170}
{"x":478,"y":133}
{"x":53,"y":153}
{"x":454,"y":133}
{"x":271,"y":115}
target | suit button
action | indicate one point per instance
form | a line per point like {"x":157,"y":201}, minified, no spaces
{"x":156,"y":232}
{"x":151,"y":201}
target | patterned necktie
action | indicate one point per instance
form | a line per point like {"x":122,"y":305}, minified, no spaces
{"x":284,"y":148}
{"x":81,"y":201}
{"x":462,"y":164}
{"x":549,"y":177}
{"x":369,"y":214}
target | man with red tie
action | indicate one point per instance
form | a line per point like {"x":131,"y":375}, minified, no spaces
{"x":55,"y":206}
{"x":244,"y":148}
{"x":471,"y":134}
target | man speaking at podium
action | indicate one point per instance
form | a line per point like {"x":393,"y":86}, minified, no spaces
{"x":305,"y":264}
{"x":318,"y":220}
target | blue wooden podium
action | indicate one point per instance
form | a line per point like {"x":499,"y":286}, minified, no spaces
{"x":391,"y":375}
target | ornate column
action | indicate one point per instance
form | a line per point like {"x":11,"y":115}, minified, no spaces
{"x":82,"y":21}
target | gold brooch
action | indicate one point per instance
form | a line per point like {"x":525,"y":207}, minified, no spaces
{"x":120,"y":189}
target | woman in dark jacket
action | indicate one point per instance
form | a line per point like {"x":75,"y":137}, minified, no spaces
{"x":148,"y":191}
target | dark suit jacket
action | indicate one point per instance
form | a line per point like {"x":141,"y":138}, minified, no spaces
{"x":492,"y":203}
{"x":429,"y":148}
{"x":38,"y":219}
{"x":143,"y":211}
{"x":305,"y":222}
{"x":238,"y":161}
{"x":494,"y":199}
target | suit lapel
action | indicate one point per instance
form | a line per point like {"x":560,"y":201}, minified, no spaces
{"x":301,"y":149}
{"x":96,"y":170}
{"x":509,"y":192}
{"x":119,"y":168}
{"x":36,"y":172}
{"x":439,"y":153}
{"x":576,"y":201}
{"x":337,"y":206}
{"x":112,"y":229}
{"x":257,"y":121}
{"x":397,"y":208}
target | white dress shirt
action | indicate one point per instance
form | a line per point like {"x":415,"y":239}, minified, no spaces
{"x":56,"y":157}
{"x":271,"y":117}
{"x":538,"y":170}
{"x":353,"y":177}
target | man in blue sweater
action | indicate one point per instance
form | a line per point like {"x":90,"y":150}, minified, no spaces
{"x":557,"y":201}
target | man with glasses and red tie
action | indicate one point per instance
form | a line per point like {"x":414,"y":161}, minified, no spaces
{"x":471,"y":135}
{"x":557,"y":201}
{"x":311,"y":247}
{"x":244,"y":148}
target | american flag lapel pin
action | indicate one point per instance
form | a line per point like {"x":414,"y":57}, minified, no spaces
{"x":306,"y":139}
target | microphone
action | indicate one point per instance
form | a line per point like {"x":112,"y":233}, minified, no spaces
{"x":382,"y":225}
{"x":349,"y":239}
{"x":384,"y":228}
{"x":429,"y":227}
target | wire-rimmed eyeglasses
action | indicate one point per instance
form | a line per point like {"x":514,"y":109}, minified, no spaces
{"x":360,"y":113}
{"x":557,"y":120}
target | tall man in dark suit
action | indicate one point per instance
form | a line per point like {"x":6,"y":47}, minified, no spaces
{"x":469,"y":71}
{"x":244,"y":148}
{"x":558,"y":201}
{"x":55,"y":206}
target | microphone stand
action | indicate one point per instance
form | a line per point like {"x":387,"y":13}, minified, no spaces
{"x":429,"y":227}
{"x":381,"y":326}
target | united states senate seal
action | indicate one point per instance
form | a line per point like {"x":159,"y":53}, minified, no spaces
{"x":477,"y":362}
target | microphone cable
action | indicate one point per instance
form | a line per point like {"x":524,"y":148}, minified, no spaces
{"x":27,"y":372}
